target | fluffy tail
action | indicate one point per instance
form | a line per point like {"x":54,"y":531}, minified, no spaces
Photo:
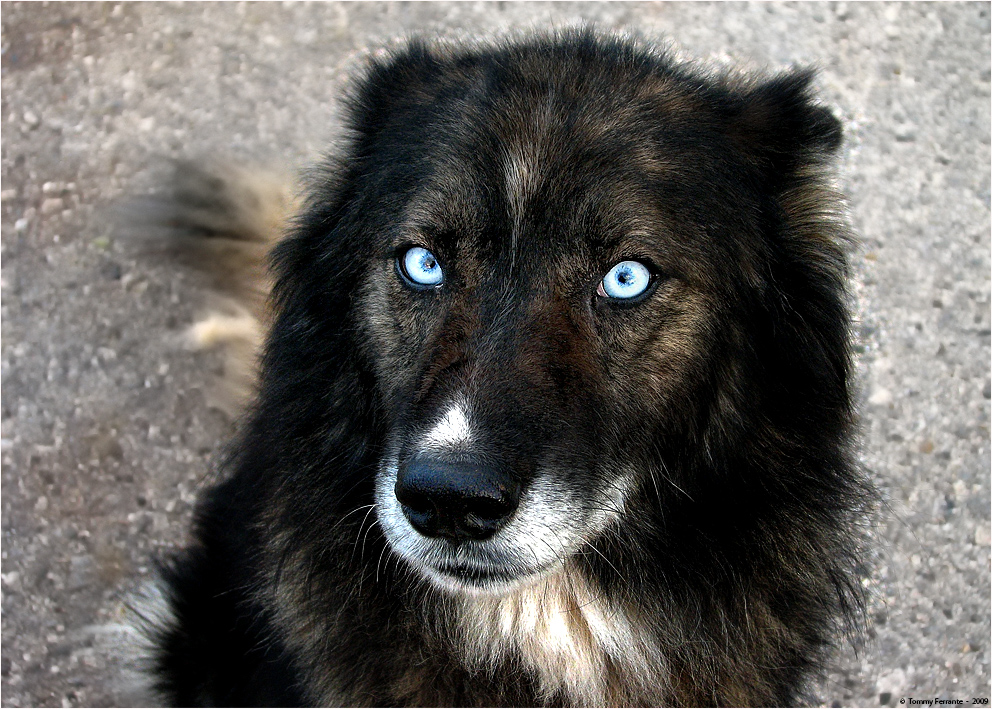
{"x":222,"y":220}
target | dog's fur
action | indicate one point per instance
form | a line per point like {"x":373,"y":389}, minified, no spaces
{"x":685,"y":509}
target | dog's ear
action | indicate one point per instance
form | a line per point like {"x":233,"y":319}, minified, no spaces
{"x":779,"y":124}
{"x":400,"y":79}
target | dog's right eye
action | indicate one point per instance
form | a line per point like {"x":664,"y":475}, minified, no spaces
{"x":625,"y":281}
{"x":420,"y":268}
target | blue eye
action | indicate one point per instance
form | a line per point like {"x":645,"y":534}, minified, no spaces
{"x":421,"y":267}
{"x":628,"y":279}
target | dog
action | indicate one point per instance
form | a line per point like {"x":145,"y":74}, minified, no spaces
{"x":554,"y":405}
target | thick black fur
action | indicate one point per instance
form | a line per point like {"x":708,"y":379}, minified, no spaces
{"x":745,"y":566}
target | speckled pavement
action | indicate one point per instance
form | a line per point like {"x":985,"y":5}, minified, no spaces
{"x":106,"y":430}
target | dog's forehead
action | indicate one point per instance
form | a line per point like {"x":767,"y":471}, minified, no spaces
{"x":546,"y":164}
{"x":535,"y":187}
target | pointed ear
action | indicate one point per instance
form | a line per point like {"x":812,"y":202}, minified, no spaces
{"x":402,"y":78}
{"x":781,"y":125}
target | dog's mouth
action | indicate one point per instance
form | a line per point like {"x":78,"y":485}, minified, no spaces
{"x":488,"y":580}
{"x":469,"y":575}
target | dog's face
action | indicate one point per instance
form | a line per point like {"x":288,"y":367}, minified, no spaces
{"x":536,"y":315}
{"x":559,"y":265}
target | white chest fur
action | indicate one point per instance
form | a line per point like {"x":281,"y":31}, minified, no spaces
{"x":573,"y":641}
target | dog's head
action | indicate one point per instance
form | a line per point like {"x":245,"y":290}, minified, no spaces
{"x":555,"y":272}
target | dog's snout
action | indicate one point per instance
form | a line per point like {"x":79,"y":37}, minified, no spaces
{"x":457,"y":500}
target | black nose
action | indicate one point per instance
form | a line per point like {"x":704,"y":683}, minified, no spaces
{"x":458,"y":500}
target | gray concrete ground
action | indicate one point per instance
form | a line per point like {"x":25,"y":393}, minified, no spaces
{"x":107,"y":435}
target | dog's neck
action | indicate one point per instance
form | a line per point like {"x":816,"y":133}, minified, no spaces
{"x":580,"y":646}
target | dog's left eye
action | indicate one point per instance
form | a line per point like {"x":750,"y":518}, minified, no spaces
{"x":421,"y":267}
{"x":628,"y":279}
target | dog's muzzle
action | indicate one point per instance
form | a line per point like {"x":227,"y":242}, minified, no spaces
{"x":458,"y":500}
